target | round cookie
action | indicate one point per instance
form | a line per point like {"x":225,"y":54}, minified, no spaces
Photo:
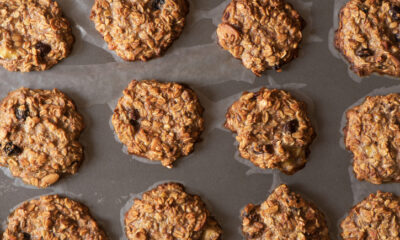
{"x":284,"y":215}
{"x":159,"y":121}
{"x":272,"y":128}
{"x":372,"y":134}
{"x":52,"y":217}
{"x":39,"y":132}
{"x":34,"y":35}
{"x":263,"y":34}
{"x":376,"y":217}
{"x":368,"y":36}
{"x":139,"y":29}
{"x":168,"y":212}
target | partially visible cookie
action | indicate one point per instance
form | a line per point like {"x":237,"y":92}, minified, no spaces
{"x":39,"y":133}
{"x":168,"y":212}
{"x":372,"y":134}
{"x":284,"y":215}
{"x":263,"y":34}
{"x":376,"y":217}
{"x":34,"y":35}
{"x":272,"y":128}
{"x":139,"y":29}
{"x":368,"y":36}
{"x":52,"y":217}
{"x":159,"y":121}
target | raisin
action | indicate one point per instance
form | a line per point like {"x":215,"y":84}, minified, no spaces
{"x":291,"y":126}
{"x":26,"y":236}
{"x":264,"y":148}
{"x":394,"y":12}
{"x":134,"y":117}
{"x":43,"y":49}
{"x":363,"y":8}
{"x":21,"y":112}
{"x":255,"y":95}
{"x":364,"y":52}
{"x":396,"y":37}
{"x":11,"y":149}
{"x":157,"y":4}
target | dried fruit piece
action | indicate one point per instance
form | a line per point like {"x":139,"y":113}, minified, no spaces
{"x":21,"y":112}
{"x":394,"y":12}
{"x":43,"y":49}
{"x":364,"y":52}
{"x":291,"y":126}
{"x":10,"y":149}
{"x":157,"y":4}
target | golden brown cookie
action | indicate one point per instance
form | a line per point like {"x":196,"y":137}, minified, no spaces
{"x":263,"y":34}
{"x":168,"y":212}
{"x":139,"y":29}
{"x":34,"y":35}
{"x":39,"y":133}
{"x":159,"y":121}
{"x":52,"y":217}
{"x":369,"y":36}
{"x":372,"y":134}
{"x":272,"y":128}
{"x":376,"y":217}
{"x":284,"y":215}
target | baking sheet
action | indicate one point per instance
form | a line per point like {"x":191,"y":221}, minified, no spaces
{"x":108,"y":179}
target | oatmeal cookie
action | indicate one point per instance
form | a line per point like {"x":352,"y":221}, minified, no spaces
{"x":376,"y":217}
{"x":52,"y":217}
{"x":262,"y":33}
{"x":272,"y":128}
{"x":139,"y":29}
{"x":39,"y":132}
{"x":372,"y":134}
{"x":168,"y":212}
{"x":369,"y":36}
{"x":34,"y":35}
{"x":159,"y":121}
{"x":284,"y":215}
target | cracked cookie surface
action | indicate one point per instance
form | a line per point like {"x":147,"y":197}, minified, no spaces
{"x":376,"y":217}
{"x":159,"y":121}
{"x":52,"y":217}
{"x":372,"y":134}
{"x":263,"y":34}
{"x":39,"y":133}
{"x":168,"y":212}
{"x":272,"y":128}
{"x":368,"y":36}
{"x":284,"y":215}
{"x":139,"y":29}
{"x":34,"y":35}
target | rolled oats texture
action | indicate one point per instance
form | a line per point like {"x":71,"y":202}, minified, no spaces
{"x":34,"y":35}
{"x":263,"y":34}
{"x":139,"y":29}
{"x":159,"y":121}
{"x":39,"y":135}
{"x":168,"y":212}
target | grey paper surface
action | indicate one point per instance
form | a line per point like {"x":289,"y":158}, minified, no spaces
{"x":95,"y":77}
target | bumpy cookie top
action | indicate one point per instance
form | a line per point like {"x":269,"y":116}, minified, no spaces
{"x":376,"y":217}
{"x":262,"y":33}
{"x":369,"y":36}
{"x":284,"y":215}
{"x":159,"y":121}
{"x":168,"y":212}
{"x":273,"y":129}
{"x":33,"y":35}
{"x":139,"y":29}
{"x":39,"y":132}
{"x":52,"y":217}
{"x":373,"y":135}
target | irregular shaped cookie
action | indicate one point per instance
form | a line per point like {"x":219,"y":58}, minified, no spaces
{"x":159,"y":121}
{"x":261,"y":33}
{"x":284,"y":215}
{"x":369,"y":36}
{"x":372,"y":134}
{"x":139,"y":29}
{"x":168,"y":212}
{"x":34,"y":35}
{"x":376,"y":217}
{"x":272,"y":128}
{"x":39,"y":132}
{"x":52,"y":217}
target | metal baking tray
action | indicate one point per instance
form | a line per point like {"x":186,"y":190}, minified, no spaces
{"x":95,"y":77}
